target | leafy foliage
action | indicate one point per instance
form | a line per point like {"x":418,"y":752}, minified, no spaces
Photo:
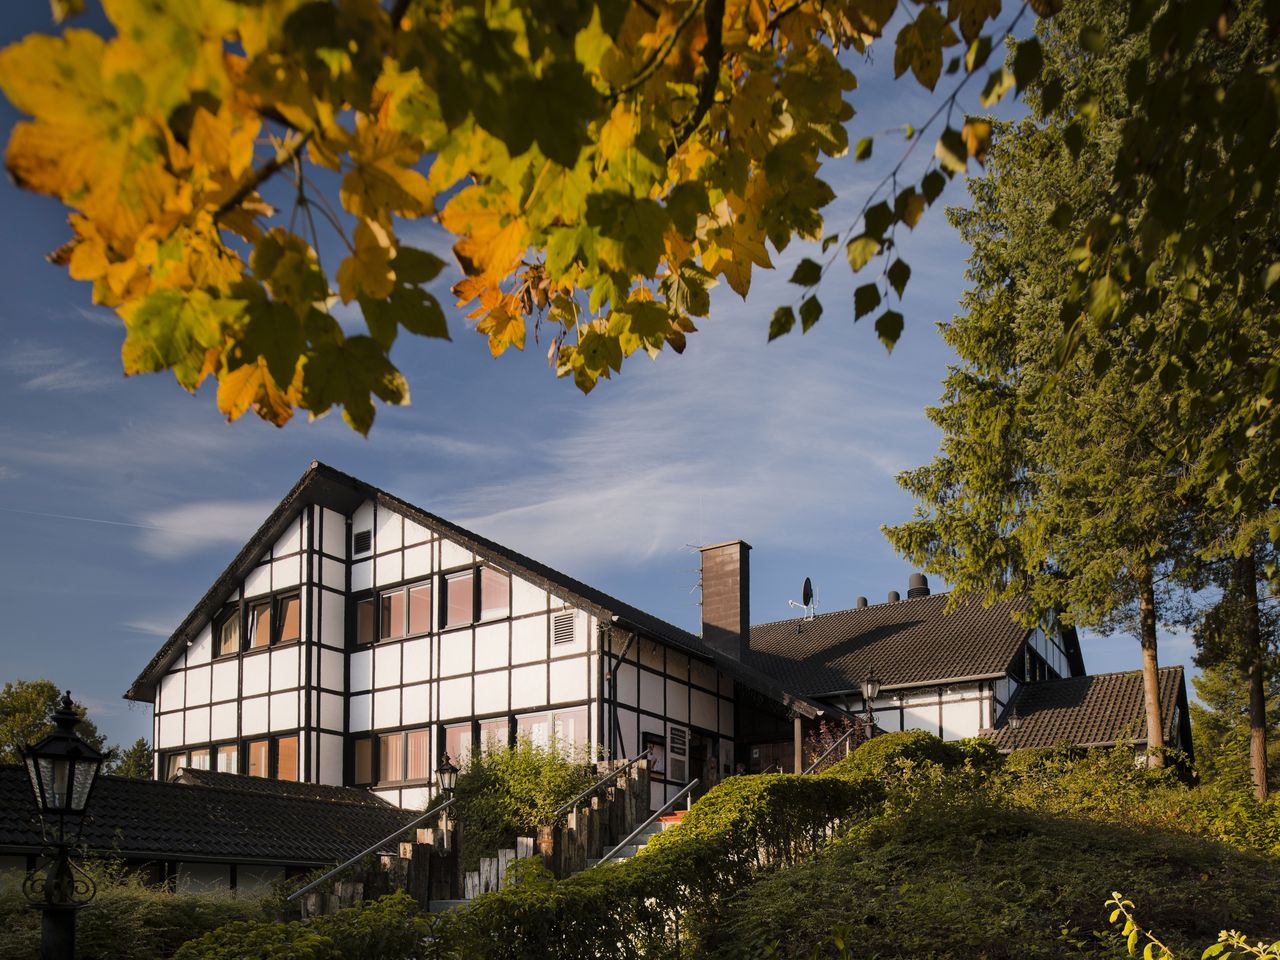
{"x":602,"y":164}
{"x":26,"y":712}
{"x":1220,"y":725}
{"x":503,"y":794}
{"x":133,"y":762}
{"x":127,"y":920}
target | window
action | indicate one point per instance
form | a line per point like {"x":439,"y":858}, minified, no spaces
{"x":495,"y":594}
{"x":536,"y":728}
{"x":457,"y":743}
{"x":391,"y":757}
{"x":420,"y":609}
{"x":259,"y":624}
{"x":228,"y":632}
{"x":417,"y":746}
{"x":290,"y":612}
{"x":258,"y":755}
{"x":174,"y":762}
{"x":199,"y":760}
{"x":392,"y":620}
{"x":363,"y":761}
{"x":364,"y":621}
{"x":287,"y":758}
{"x":493,"y":735}
{"x":571,"y":729}
{"x":459,"y":598}
{"x":228,"y":758}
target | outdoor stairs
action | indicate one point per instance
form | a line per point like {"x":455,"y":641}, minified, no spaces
{"x":662,"y":823}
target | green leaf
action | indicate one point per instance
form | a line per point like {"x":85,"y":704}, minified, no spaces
{"x":999,"y":82}
{"x":863,"y":150}
{"x":1028,"y":60}
{"x":810,"y":311}
{"x":951,"y":151}
{"x":932,"y":184}
{"x":889,"y":328}
{"x":274,"y":333}
{"x":1051,"y":95}
{"x":865,"y":299}
{"x":860,"y":251}
{"x":1273,"y":274}
{"x":898,"y":274}
{"x":978,"y":53}
{"x":807,"y":274}
{"x":784,"y":318}
{"x":412,"y":265}
{"x":877,"y":219}
{"x":1073,"y":137}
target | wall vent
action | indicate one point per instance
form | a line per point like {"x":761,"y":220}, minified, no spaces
{"x":362,"y":541}
{"x":562,"y":628}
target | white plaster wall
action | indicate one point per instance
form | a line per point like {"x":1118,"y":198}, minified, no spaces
{"x":415,"y":533}
{"x":258,"y":582}
{"x":628,"y":684}
{"x":702,"y":674}
{"x":361,"y":575}
{"x":360,"y":670}
{"x":529,"y":639}
{"x":963,"y":719}
{"x":197,"y":726}
{"x":331,"y":711}
{"x":705,"y":712}
{"x":417,"y":562}
{"x":678,"y":700}
{"x":333,"y":614}
{"x":223,"y":722}
{"x":333,"y":669}
{"x":453,"y":555}
{"x":226,"y":680}
{"x":333,"y":574}
{"x":455,"y":652}
{"x":199,"y":680}
{"x":285,"y":667}
{"x":579,"y":643}
{"x":171,"y":695}
{"x":388,"y":568}
{"x":360,"y":713}
{"x":416,"y":704}
{"x":455,"y":698}
{"x":491,"y":692}
{"x":284,"y":711}
{"x":568,"y":680}
{"x":386,"y":667}
{"x":330,"y":759}
{"x":201,"y":649}
{"x":651,"y":688}
{"x":386,"y":708}
{"x":170,"y":731}
{"x":333,"y":539}
{"x":255,"y":674}
{"x":529,"y":686}
{"x":526,"y":598}
{"x":389,"y":534}
{"x":491,"y":647}
{"x":286,"y":573}
{"x":417,"y":660}
{"x":253,"y":716}
{"x":291,"y":540}
{"x":677,"y":664}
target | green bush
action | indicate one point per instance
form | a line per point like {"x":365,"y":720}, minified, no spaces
{"x":504,"y":794}
{"x":879,"y":754}
{"x":390,"y":928}
{"x":126,"y":920}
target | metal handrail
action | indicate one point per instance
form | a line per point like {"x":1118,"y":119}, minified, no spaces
{"x":601,"y":782}
{"x":644,"y":826}
{"x":848,"y":733}
{"x":368,"y":850}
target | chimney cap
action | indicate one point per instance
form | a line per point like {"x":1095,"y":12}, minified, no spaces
{"x":917,"y":586}
{"x":860,"y":602}
{"x":724,"y":543}
{"x":893,"y":596}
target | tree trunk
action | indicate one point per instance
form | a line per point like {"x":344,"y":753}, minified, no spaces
{"x":1251,"y":640}
{"x":1150,"y":671}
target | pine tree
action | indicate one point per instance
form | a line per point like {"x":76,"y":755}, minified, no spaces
{"x":133,"y":762}
{"x":1220,"y":725}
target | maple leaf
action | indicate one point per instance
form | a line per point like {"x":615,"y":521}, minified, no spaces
{"x":367,"y":270}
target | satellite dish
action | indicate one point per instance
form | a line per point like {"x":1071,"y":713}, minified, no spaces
{"x":806,"y":595}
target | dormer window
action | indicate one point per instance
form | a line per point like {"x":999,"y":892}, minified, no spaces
{"x":259,"y":632}
{"x":290,"y":617}
{"x":227,"y":631}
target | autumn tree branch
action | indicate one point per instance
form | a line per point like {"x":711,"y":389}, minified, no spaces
{"x":283,"y":158}
{"x":655,"y":59}
{"x":712,"y":55}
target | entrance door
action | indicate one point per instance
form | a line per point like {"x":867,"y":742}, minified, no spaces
{"x":703,"y":762}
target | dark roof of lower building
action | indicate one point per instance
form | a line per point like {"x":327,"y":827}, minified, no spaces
{"x":912,"y":642}
{"x":242,"y":820}
{"x":289,"y":789}
{"x":1092,"y":711}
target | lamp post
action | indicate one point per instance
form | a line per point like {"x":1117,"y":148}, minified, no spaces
{"x":446,"y":779}
{"x":870,"y":690}
{"x":62,"y":769}
{"x":1014,"y":722}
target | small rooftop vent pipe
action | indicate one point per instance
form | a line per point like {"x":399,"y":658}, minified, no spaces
{"x":917,"y":586}
{"x":860,"y":602}
{"x":893,"y":596}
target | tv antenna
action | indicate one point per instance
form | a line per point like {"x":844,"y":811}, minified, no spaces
{"x":808,"y":601}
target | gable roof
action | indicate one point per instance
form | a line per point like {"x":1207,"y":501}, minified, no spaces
{"x":242,"y":819}
{"x":1092,"y":711}
{"x":323,"y":485}
{"x":912,"y":642}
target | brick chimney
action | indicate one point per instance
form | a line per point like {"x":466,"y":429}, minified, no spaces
{"x":726,"y":591}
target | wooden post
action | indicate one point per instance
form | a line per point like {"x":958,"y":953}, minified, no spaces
{"x":798,"y":758}
{"x":547,"y":848}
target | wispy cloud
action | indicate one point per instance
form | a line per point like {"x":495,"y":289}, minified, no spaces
{"x":50,"y":368}
{"x":7,"y":473}
{"x":192,"y":527}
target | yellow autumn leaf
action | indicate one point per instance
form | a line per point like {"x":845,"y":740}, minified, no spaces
{"x":504,"y":326}
{"x":252,"y":385}
{"x":492,"y":236}
{"x":382,"y":180}
{"x":368,"y":269}
{"x":618,"y":133}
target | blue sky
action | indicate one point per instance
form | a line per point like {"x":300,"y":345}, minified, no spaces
{"x":121,"y":500}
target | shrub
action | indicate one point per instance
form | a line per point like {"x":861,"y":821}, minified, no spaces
{"x":879,"y":754}
{"x":390,"y":928}
{"x":503,"y":794}
{"x":126,"y":920}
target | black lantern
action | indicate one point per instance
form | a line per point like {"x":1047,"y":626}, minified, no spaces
{"x":447,"y":776}
{"x":62,"y":767}
{"x":870,"y":687}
